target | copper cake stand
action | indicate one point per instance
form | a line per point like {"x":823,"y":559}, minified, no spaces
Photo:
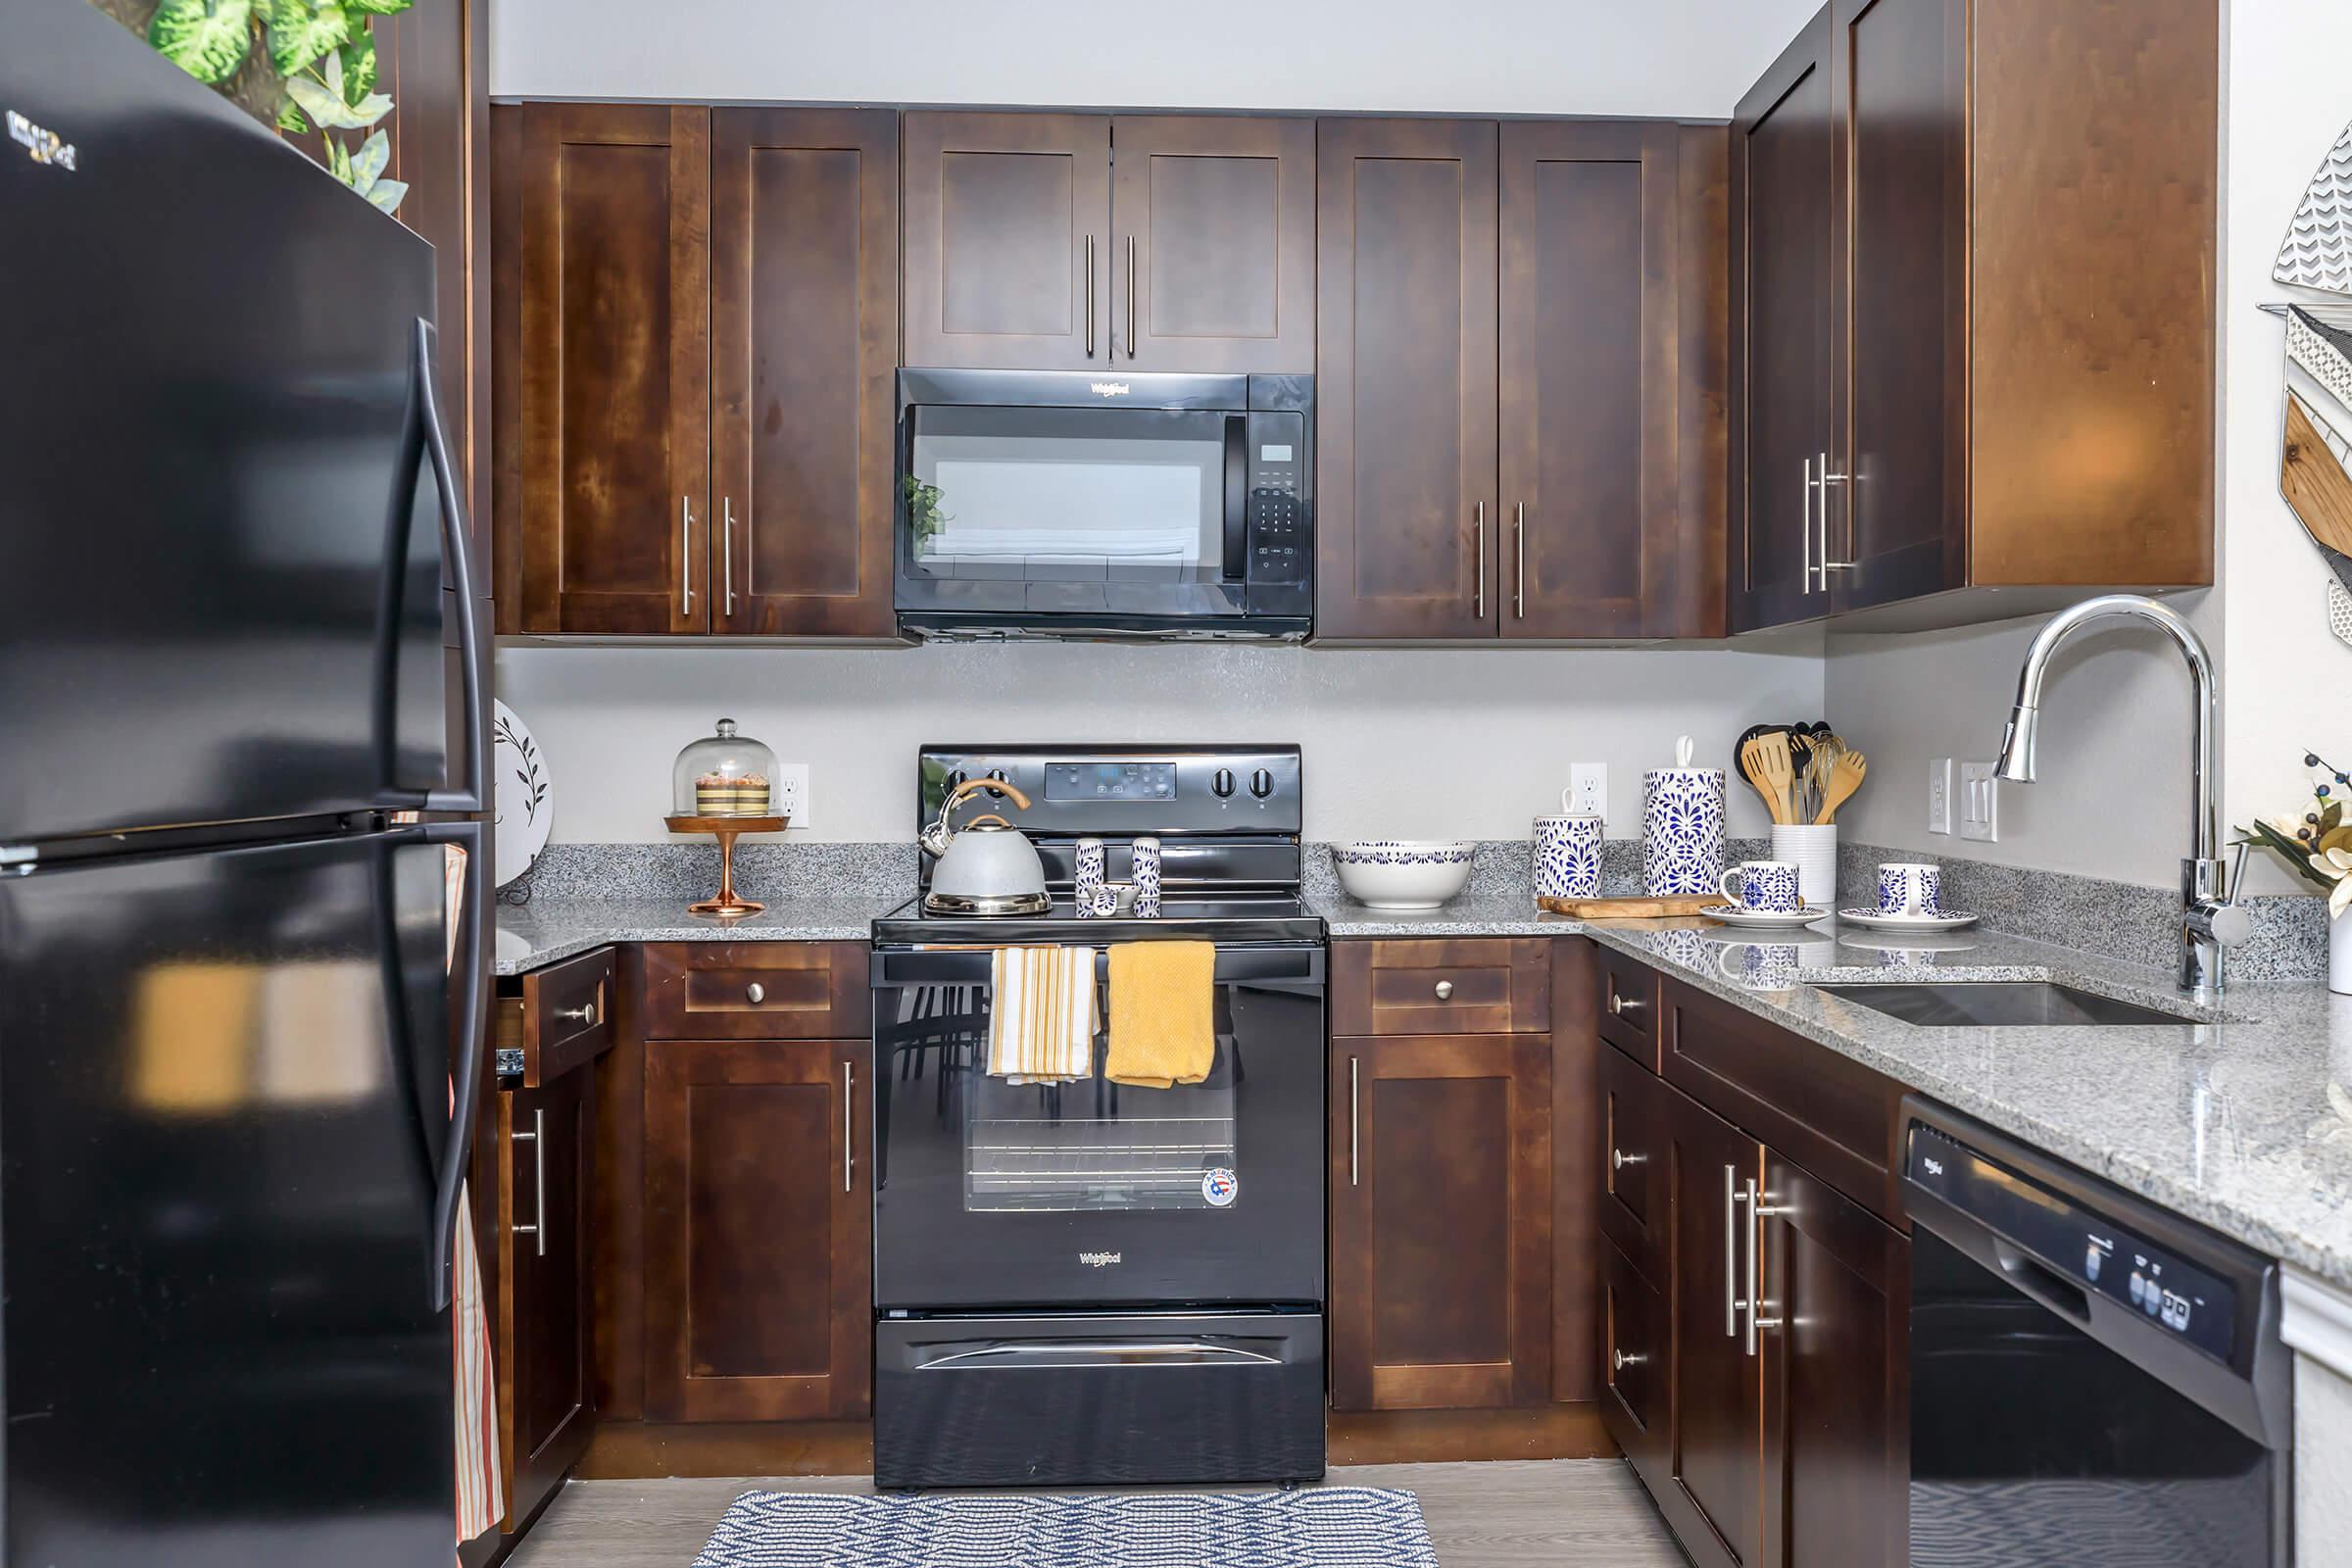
{"x":726,"y":829}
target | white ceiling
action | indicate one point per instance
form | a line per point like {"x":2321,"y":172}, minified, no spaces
{"x":1690,"y":58}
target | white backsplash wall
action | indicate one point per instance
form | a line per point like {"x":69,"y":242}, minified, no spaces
{"x":1420,"y":743}
{"x":2113,"y":796}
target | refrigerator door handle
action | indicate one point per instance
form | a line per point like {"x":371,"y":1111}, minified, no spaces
{"x":473,"y":967}
{"x":458,"y":547}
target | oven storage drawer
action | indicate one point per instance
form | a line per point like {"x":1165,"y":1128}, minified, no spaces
{"x":1107,"y":1399}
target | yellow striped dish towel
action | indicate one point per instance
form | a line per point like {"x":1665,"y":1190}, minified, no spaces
{"x":1041,"y":1028}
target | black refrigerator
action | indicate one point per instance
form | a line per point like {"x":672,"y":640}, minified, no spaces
{"x":239,"y":1035}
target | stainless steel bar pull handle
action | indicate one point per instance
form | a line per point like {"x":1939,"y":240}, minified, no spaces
{"x":685,"y":554}
{"x":1826,"y":565}
{"x":1478,"y":593}
{"x":1804,"y":532}
{"x":537,"y":1139}
{"x":1731,"y":1252}
{"x":849,"y":1124}
{"x":1090,"y":296}
{"x":1519,"y":543}
{"x":1354,"y":1103}
{"x":1758,"y":1211}
{"x":726,"y":551}
{"x":1132,"y":328}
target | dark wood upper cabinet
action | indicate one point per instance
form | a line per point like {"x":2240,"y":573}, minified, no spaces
{"x":1213,"y":228}
{"x":758,"y":1230}
{"x":613,"y":404}
{"x":1408,"y":523}
{"x":1441,"y":1221}
{"x":1607,"y":267}
{"x":1008,"y":247}
{"x":1783,"y":168}
{"x":804,"y":360}
{"x":2020,"y":332}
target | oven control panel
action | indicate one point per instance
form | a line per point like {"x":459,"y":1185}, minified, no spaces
{"x":1076,"y":789}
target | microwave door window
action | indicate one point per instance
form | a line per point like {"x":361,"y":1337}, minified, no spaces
{"x":1036,"y":492}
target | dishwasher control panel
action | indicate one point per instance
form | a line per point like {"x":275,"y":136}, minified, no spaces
{"x":2084,"y":1247}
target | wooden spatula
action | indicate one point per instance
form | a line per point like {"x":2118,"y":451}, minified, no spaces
{"x":1769,"y":764}
{"x":1751,"y":768}
{"x":1844,"y":779}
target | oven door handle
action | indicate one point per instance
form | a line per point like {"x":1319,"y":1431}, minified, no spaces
{"x":1236,"y":497}
{"x":1036,"y":1356}
{"x":973,"y":966}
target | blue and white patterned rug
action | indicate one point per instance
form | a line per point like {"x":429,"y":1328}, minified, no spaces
{"x":1335,"y":1527}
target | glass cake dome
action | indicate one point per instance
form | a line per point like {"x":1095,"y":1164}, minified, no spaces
{"x":723,"y":774}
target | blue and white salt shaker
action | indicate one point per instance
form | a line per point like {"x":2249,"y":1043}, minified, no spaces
{"x":1147,"y":878}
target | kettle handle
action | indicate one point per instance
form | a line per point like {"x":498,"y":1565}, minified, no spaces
{"x":937,"y":836}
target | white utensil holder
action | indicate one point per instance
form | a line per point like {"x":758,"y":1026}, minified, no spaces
{"x":1812,"y":848}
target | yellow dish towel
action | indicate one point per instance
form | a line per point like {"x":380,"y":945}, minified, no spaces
{"x":1162,"y":1013}
{"x":1041,"y":1027}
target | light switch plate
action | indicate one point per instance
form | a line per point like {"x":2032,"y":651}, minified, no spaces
{"x":791,"y":796}
{"x":1939,"y":795}
{"x":1979,"y":803}
{"x":1588,"y":788}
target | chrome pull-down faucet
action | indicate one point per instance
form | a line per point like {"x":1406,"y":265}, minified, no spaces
{"x":2210,"y":919}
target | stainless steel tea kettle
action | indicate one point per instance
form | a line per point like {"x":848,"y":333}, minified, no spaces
{"x":987,"y":866}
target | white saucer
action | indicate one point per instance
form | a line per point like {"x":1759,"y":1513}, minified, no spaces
{"x":1764,"y":919}
{"x":1880,"y":921}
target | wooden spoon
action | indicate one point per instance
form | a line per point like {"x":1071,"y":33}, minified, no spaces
{"x":1771,"y":766}
{"x":1844,"y":779}
{"x":1751,"y":768}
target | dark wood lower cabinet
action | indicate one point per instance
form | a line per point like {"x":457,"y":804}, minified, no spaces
{"x":758,"y":1230}
{"x":1713,"y":1492}
{"x":546,"y":1411}
{"x":1441,"y":1221}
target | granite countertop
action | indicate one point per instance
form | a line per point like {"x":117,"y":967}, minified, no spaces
{"x":2239,"y":1117}
{"x":536,"y":934}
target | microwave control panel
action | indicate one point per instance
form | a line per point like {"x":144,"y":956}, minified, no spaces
{"x":1282,"y":541}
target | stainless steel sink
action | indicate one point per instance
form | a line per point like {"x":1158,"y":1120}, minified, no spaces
{"x":1982,"y":1004}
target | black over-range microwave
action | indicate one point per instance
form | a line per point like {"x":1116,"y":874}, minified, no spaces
{"x":1067,"y":503}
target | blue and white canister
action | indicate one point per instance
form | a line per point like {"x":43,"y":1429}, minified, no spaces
{"x":1568,"y":854}
{"x":1682,"y":828}
{"x":1086,"y":878}
{"x":1147,"y":878}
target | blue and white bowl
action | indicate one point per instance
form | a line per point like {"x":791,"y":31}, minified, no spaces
{"x":1404,"y":873}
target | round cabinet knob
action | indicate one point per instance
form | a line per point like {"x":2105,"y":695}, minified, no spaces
{"x":1222,"y":782}
{"x":1619,"y":1159}
{"x":1619,"y":1361}
{"x":757,"y":992}
{"x":1262,"y":783}
{"x":1444,"y":989}
{"x":583,"y":1013}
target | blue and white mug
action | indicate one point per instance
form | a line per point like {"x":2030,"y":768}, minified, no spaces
{"x":1909,"y":887}
{"x":1568,"y":854}
{"x":1765,"y":886}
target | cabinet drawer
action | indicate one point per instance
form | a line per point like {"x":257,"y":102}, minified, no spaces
{"x":1632,"y":1163}
{"x":757,"y":991}
{"x":1629,"y":1007}
{"x":1478,"y":987}
{"x":1635,"y":1374}
{"x":562,"y":1017}
{"x":1827,"y":1112}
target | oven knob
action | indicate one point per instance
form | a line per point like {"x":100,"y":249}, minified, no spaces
{"x":1262,"y":783}
{"x":1001,"y":777}
{"x":1222,"y":783}
{"x":955,"y":780}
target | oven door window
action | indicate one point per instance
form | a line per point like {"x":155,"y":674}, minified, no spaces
{"x":1098,"y":1146}
{"x":1135,"y":495}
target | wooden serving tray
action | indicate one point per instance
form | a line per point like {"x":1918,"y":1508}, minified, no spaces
{"x":1629,"y":908}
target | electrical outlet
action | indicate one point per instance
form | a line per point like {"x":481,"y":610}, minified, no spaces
{"x":1588,"y":788}
{"x":791,"y":794}
{"x":1939,"y":795}
{"x":1979,"y":803}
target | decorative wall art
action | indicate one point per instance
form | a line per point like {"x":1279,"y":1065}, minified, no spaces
{"x":2314,"y":453}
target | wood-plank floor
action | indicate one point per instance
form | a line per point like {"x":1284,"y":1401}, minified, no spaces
{"x":1578,"y":1513}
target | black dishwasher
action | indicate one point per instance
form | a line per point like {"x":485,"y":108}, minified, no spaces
{"x":2094,"y":1381}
